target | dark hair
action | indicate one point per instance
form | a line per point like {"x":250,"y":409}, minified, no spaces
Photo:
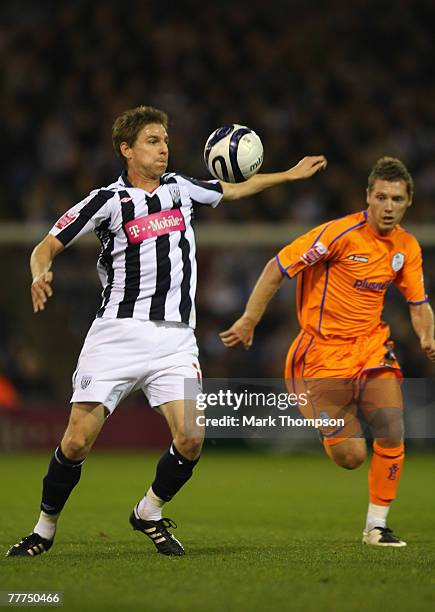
{"x":391,"y":169}
{"x":127,"y":126}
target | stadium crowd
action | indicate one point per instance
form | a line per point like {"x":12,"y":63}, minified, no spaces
{"x":350,"y":80}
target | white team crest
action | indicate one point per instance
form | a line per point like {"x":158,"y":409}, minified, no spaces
{"x":397,"y":261}
{"x":175,"y":193}
{"x":85,"y":381}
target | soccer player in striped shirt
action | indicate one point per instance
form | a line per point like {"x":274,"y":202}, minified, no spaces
{"x":343,"y":355}
{"x":143,"y":334}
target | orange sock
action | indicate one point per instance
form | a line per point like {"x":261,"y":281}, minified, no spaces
{"x":384,"y":473}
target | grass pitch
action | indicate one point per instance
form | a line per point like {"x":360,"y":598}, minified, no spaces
{"x":261,"y":532}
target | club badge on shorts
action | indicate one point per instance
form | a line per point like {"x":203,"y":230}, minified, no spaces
{"x":397,"y":261}
{"x":85,"y":381}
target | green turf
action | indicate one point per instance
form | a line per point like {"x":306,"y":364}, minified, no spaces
{"x":261,"y":532}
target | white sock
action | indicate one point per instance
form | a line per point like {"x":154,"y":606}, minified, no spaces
{"x":376,"y":516}
{"x":150,"y":507}
{"x":46,"y":525}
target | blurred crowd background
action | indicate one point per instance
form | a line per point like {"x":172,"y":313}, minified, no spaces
{"x":351,"y":80}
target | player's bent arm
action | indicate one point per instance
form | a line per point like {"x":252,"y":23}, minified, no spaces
{"x":40,"y":264}
{"x":242,"y":331}
{"x":259,"y":182}
{"x":422,"y":318}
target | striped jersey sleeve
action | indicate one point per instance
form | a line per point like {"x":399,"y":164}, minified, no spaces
{"x":206,"y":193}
{"x":84,"y":217}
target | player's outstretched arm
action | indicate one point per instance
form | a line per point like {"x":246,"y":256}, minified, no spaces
{"x":40,"y":264}
{"x":242,"y":331}
{"x":422,"y":319}
{"x":259,"y":182}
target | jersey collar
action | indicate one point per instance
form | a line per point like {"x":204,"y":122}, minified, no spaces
{"x":125,"y":180}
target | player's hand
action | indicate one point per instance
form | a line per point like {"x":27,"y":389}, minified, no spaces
{"x":242,"y":331}
{"x":41,"y":290}
{"x":428,"y":347}
{"x":307,"y":167}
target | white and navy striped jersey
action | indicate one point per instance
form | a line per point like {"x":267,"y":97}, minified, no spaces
{"x":147,"y":263}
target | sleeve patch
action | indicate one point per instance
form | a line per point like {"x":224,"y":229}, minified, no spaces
{"x":66,"y":220}
{"x":314,"y":254}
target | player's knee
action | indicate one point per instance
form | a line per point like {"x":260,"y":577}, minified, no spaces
{"x":349,"y":459}
{"x":189,"y":447}
{"x":76,"y":446}
{"x":387,"y":424}
{"x":352,"y":460}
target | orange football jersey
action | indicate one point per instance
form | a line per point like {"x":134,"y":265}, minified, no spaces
{"x":344,"y":269}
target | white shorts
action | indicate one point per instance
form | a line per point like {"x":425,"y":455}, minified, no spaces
{"x":122,"y":355}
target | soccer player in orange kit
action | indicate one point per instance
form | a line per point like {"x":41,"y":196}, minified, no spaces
{"x":343,"y":357}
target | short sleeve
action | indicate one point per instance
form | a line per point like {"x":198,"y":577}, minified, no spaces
{"x":205,"y":193}
{"x":315,"y":246}
{"x":83,"y":218}
{"x":409,"y":279}
{"x":326,"y":242}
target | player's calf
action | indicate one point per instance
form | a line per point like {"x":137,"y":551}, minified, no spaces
{"x":62,"y":476}
{"x":174,"y":469}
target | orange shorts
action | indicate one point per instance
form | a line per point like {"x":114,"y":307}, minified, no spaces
{"x":342,"y":376}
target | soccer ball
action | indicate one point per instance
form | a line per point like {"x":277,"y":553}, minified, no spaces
{"x":233,"y":153}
